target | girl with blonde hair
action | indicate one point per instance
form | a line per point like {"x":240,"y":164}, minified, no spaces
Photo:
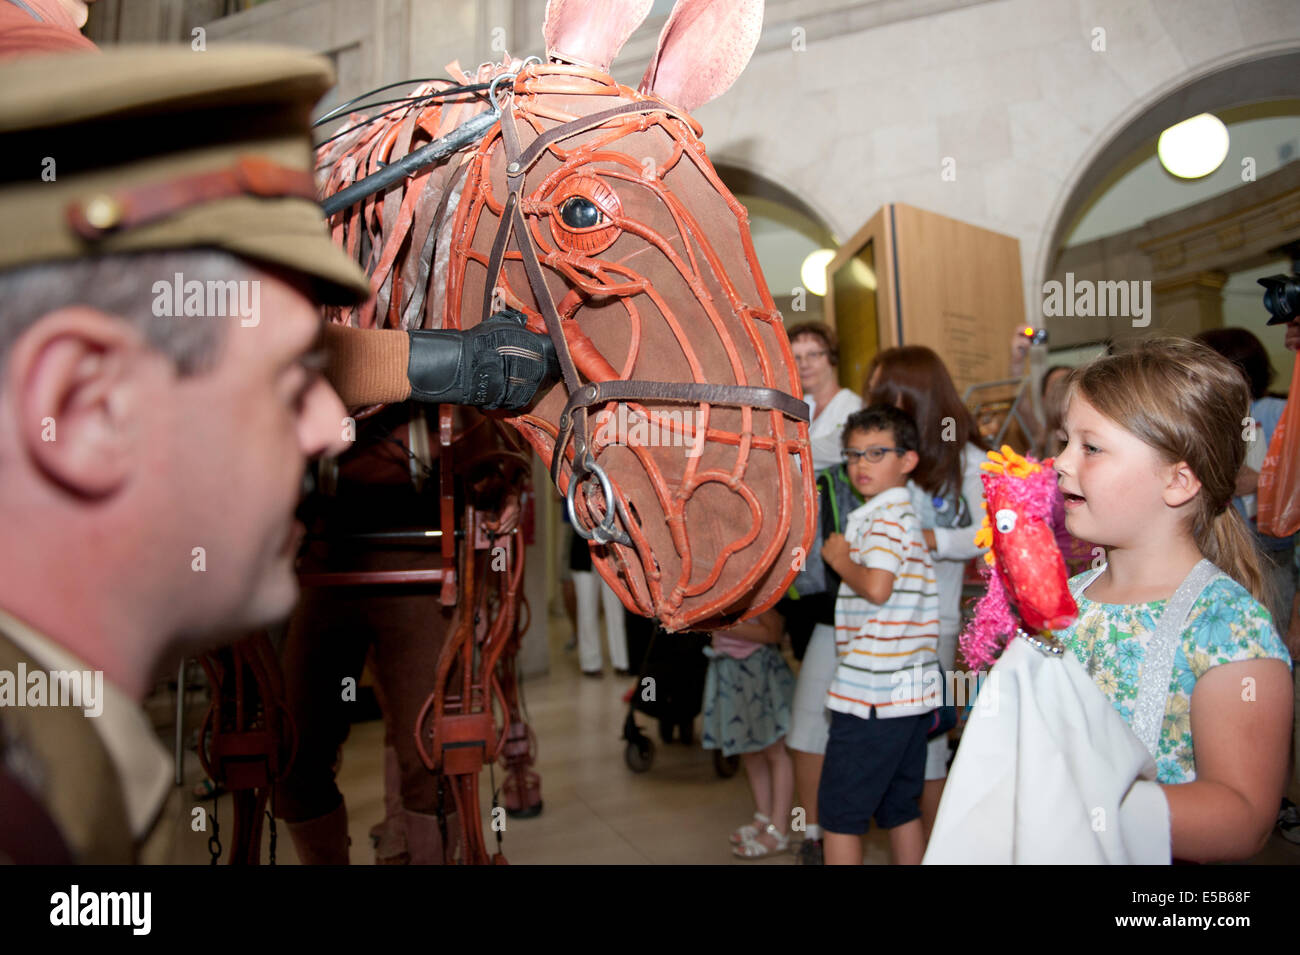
{"x":1154,"y":442}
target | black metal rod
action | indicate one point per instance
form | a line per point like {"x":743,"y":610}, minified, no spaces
{"x":472,"y":130}
{"x":404,"y":103}
{"x":342,"y":108}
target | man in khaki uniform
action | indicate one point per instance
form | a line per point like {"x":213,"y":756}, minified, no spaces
{"x":162,"y":260}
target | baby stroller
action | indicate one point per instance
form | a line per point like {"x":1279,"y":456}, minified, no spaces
{"x":669,"y":688}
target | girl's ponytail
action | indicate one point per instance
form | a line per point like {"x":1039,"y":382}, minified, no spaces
{"x":1228,"y":544}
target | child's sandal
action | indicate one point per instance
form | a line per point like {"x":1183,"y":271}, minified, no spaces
{"x":753,"y":849}
{"x":748,"y":831}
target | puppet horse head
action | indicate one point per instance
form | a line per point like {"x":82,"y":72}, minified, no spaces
{"x":675,"y":434}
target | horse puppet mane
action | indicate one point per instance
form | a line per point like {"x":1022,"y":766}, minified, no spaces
{"x":401,"y":236}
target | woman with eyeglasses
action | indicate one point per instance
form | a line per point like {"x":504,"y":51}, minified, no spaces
{"x":816,"y":356}
{"x":947,"y":494}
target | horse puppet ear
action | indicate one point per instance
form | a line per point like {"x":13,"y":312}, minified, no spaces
{"x":703,"y":48}
{"x":591,"y":32}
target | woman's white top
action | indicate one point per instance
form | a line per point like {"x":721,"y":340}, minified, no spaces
{"x":954,"y":546}
{"x":826,"y":430}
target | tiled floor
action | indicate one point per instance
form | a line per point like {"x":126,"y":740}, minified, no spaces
{"x":596,"y":809}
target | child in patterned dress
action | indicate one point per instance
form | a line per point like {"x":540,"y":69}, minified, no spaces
{"x":747,"y":694}
{"x":1154,"y":444}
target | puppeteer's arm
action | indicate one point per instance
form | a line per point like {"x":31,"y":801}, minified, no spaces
{"x":367,"y":366}
{"x":496,"y":364}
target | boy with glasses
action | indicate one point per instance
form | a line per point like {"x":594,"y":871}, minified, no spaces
{"x":887,"y":639}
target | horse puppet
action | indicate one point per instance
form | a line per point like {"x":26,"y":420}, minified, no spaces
{"x":676,"y":434}
{"x":592,"y":209}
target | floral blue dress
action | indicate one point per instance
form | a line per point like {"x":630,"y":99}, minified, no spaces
{"x":1226,"y":625}
{"x":746,"y":702}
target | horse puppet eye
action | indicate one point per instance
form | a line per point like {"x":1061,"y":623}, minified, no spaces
{"x":585,"y":215}
{"x":579,"y":212}
{"x":1005,"y":520}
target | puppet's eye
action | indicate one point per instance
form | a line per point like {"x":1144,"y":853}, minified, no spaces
{"x":1006,"y":520}
{"x":579,"y":212}
{"x":585,"y":214}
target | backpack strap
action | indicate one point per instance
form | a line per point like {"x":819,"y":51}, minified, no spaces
{"x":1161,"y":649}
{"x":844,"y":494}
{"x":828,"y":507}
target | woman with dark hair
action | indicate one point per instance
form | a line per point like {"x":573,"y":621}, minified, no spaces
{"x":1053,"y":397}
{"x":947,"y":494}
{"x":1247,"y":352}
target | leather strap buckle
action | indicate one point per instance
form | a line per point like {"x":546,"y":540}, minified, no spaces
{"x":98,"y":215}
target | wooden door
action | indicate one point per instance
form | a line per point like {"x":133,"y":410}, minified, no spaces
{"x":912,"y":277}
{"x":859,"y":298}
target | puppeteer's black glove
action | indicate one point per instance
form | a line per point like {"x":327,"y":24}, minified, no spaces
{"x":496,"y":364}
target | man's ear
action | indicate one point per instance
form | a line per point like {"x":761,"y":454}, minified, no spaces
{"x":910,"y":460}
{"x":72,"y":381}
{"x":1183,"y":485}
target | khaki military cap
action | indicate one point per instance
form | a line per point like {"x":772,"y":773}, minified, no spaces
{"x":150,"y":148}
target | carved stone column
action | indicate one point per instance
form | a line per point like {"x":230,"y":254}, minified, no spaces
{"x":1193,"y":250}
{"x":1189,"y":304}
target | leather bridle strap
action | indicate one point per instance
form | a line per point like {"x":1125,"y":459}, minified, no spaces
{"x":599,"y":392}
{"x":641,"y":389}
{"x":573,"y":421}
{"x":584,"y":123}
{"x":521,"y":163}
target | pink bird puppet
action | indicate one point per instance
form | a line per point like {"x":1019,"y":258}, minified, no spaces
{"x":1024,"y":561}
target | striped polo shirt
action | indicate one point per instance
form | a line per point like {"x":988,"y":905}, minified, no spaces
{"x":888,"y":653}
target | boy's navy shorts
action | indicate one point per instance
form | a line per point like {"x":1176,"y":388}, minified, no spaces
{"x":873,"y":767}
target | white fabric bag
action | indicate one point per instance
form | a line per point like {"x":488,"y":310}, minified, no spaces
{"x":1048,"y":772}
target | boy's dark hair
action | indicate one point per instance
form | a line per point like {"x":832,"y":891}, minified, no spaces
{"x":885,"y":418}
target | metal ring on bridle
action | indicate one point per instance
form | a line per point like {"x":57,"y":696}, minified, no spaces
{"x":492,"y":88}
{"x":605,"y":531}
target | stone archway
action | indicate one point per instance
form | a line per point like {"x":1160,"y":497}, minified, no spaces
{"x":743,"y":177}
{"x":1254,"y":75}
